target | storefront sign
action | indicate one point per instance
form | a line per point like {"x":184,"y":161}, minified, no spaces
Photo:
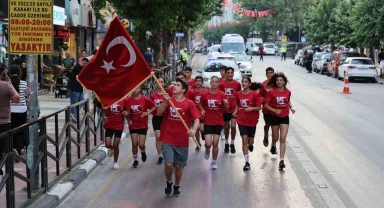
{"x":75,"y":10}
{"x":58,"y":16}
{"x":30,"y":26}
{"x":60,"y":33}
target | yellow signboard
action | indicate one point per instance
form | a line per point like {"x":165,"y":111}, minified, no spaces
{"x":30,"y":26}
{"x":284,"y":39}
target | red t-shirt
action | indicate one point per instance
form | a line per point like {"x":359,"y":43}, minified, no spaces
{"x":190,"y":93}
{"x":261,"y":49}
{"x":198,"y":99}
{"x":115,"y":117}
{"x":263,"y":92}
{"x":214,"y":107}
{"x":157,"y":99}
{"x":230,"y":89}
{"x":191,"y":83}
{"x":244,"y":101}
{"x":173,"y":131}
{"x":279,"y":100}
{"x":136,"y":108}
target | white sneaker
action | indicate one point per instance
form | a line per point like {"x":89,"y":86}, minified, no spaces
{"x":115,"y":166}
{"x":110,"y":152}
{"x":213,"y":166}
{"x":207,"y":154}
{"x":222,"y":135}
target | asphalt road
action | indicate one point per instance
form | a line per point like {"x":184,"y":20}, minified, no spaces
{"x":334,"y":157}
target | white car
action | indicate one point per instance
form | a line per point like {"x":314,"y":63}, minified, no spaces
{"x":214,"y":51}
{"x":298,"y":55}
{"x":245,"y":63}
{"x":269,"y":49}
{"x":322,"y":63}
{"x":212,"y":68}
{"x":357,"y":67}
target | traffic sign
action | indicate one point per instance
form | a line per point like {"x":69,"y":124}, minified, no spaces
{"x":284,"y":39}
{"x":30,"y":26}
{"x":179,"y":35}
{"x":303,"y":39}
{"x":30,"y":156}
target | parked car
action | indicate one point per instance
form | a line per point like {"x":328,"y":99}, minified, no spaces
{"x":357,"y":67}
{"x":316,"y":58}
{"x":307,"y":50}
{"x":298,"y":55}
{"x":245,"y":63}
{"x":336,"y":58}
{"x":322,"y":63}
{"x":212,"y":68}
{"x":269,"y":49}
{"x":293,"y":48}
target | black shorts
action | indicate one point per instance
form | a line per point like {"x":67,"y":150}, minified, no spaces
{"x":138,"y":131}
{"x":267,"y":117}
{"x":276,"y":121}
{"x":249,"y":131}
{"x":156,"y":122}
{"x":227,"y":117}
{"x":212,"y":129}
{"x":111,"y":132}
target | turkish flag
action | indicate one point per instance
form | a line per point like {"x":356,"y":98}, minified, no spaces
{"x":117,"y":68}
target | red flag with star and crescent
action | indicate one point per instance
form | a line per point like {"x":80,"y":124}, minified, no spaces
{"x":117,"y":68}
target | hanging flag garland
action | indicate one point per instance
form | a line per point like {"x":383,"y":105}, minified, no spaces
{"x":246,"y":12}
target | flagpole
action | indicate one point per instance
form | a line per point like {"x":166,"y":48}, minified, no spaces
{"x":173,"y":106}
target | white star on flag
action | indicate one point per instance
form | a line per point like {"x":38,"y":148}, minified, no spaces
{"x":108,"y":66}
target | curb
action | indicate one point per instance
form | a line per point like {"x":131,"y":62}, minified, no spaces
{"x":60,"y":191}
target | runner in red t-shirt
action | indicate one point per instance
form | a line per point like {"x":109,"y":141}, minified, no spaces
{"x":222,"y":73}
{"x":248,"y":107}
{"x":199,"y":91}
{"x":158,"y":97}
{"x":278,"y":101}
{"x":213,"y":104}
{"x":189,"y":94}
{"x":269,"y":72}
{"x":139,"y":108}
{"x":188,"y":77}
{"x":174,"y":136}
{"x":230,"y":87}
{"x":114,"y":125}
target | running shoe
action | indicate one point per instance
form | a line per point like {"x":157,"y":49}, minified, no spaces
{"x":247,"y":166}
{"x":144,"y":156}
{"x":273,"y":150}
{"x":233,"y":150}
{"x":115,"y":166}
{"x":110,"y":152}
{"x":168,"y":189}
{"x":266,"y":142}
{"x":213,"y":166}
{"x":222,"y":135}
{"x":250,"y":147}
{"x":176,"y":191}
{"x":207,"y":154}
{"x":226,"y":148}
{"x":160,"y":161}
{"x":135,"y":164}
{"x":281,"y":165}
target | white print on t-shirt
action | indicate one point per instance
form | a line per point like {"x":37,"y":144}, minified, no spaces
{"x":212,"y":103}
{"x":173,"y":112}
{"x":158,"y":102}
{"x":280,"y":100}
{"x":229,"y":91}
{"x":136,"y":108}
{"x":197,"y":99}
{"x":115,"y":108}
{"x":244,"y":103}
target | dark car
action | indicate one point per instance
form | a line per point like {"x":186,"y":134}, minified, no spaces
{"x":292,"y":49}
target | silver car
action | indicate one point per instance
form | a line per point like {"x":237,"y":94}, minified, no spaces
{"x":322,"y":63}
{"x":316,"y":58}
{"x":298,"y":55}
{"x":244,"y":62}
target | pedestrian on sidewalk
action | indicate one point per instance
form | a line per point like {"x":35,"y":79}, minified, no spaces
{"x":76,"y":92}
{"x":309,"y":62}
{"x":247,"y":111}
{"x":278,"y":101}
{"x":269,"y":72}
{"x":157,"y":119}
{"x":82,"y":56}
{"x":19,"y":110}
{"x":199,"y":91}
{"x":230,"y":87}
{"x":261,"y":52}
{"x":283,"y":52}
{"x":139,"y":107}
{"x":174,"y":136}
{"x":148,"y":57}
{"x":184,"y":58}
{"x":68,"y":61}
{"x":114,"y":127}
{"x":8,"y":94}
{"x":213,"y":104}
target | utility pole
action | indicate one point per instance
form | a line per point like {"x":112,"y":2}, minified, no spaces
{"x":189,"y":40}
{"x":33,"y":115}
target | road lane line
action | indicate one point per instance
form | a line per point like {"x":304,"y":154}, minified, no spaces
{"x":112,"y":179}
